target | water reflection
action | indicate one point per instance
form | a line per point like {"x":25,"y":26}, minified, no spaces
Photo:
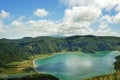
{"x":77,"y":65}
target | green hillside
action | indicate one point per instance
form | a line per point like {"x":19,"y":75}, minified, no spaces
{"x":15,"y":50}
{"x":35,"y":77}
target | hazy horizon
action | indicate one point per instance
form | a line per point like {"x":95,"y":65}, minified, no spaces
{"x":55,"y":36}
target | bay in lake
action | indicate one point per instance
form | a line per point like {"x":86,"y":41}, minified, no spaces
{"x":77,"y":66}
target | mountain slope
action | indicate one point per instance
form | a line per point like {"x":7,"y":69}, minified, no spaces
{"x":74,"y":43}
{"x":12,"y":50}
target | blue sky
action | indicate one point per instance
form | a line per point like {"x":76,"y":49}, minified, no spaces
{"x":22,"y":18}
{"x":26,"y":7}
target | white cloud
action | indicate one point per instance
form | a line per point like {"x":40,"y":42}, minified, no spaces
{"x":117,"y":18}
{"x":1,"y":26}
{"x":18,"y":24}
{"x":41,"y":28}
{"x":118,"y":7}
{"x":4,"y":29}
{"x":20,"y":28}
{"x":40,"y":13}
{"x":107,"y":19}
{"x":105,"y":30}
{"x":105,"y":4}
{"x":4,"y":14}
{"x":77,"y":20}
{"x":111,"y":19}
{"x":82,"y":13}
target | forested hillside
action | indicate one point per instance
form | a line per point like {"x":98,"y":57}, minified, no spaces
{"x":12,"y":50}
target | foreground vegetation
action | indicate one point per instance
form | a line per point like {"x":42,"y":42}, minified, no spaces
{"x":114,"y":76}
{"x":35,"y":77}
{"x":21,"y":67}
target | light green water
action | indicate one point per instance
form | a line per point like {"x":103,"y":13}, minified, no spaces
{"x":77,"y":66}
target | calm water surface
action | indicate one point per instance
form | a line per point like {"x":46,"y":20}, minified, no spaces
{"x":77,"y":66}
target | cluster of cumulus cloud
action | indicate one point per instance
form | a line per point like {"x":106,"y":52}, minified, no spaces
{"x":79,"y":19}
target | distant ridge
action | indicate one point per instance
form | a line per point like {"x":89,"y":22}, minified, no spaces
{"x":57,"y":37}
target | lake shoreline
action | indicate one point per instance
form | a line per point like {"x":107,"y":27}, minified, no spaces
{"x":31,"y":62}
{"x":23,"y":67}
{"x":49,"y":55}
{"x":78,"y":59}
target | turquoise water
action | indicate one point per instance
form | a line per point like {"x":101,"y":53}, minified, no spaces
{"x":77,"y":66}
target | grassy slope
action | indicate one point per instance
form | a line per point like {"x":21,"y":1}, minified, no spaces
{"x":21,"y":67}
{"x":36,"y":77}
{"x":114,"y":76}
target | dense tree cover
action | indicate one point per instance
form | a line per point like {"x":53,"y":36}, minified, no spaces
{"x":10,"y":53}
{"x":35,"y":77}
{"x":75,"y":43}
{"x":117,"y":63}
{"x":12,"y":50}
